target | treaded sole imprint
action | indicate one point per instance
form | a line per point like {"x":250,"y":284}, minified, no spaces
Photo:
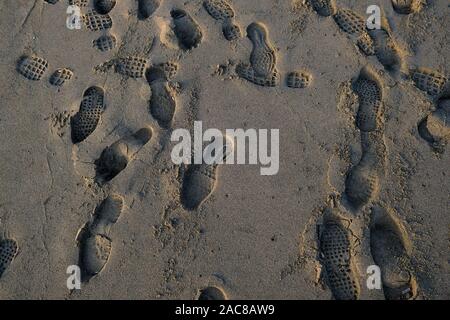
{"x":336,"y":257}
{"x":32,"y":68}
{"x":406,"y":6}
{"x":388,"y":245}
{"x":85,"y":121}
{"x":8,"y":251}
{"x":324,"y":8}
{"x":432,"y":82}
{"x":115,"y":158}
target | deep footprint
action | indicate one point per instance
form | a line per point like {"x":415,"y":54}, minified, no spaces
{"x":386,"y":50}
{"x":8,"y":251}
{"x":96,"y":22}
{"x":369,"y":92}
{"x":147,"y":7}
{"x":94,"y":241}
{"x":115,"y":158}
{"x":162,"y":102}
{"x":212,"y":293}
{"x":262,"y":69}
{"x":198,"y":184}
{"x":187,"y":31}
{"x":324,"y":8}
{"x":388,"y":248}
{"x":60,"y":77}
{"x":336,"y":257}
{"x":86,"y":120}
{"x":104,"y":6}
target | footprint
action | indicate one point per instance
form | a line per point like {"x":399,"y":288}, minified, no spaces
{"x":116,"y":157}
{"x":354,"y":25}
{"x":94,"y":240}
{"x":363,"y":181}
{"x":105,"y":43}
{"x":298,"y":79}
{"x":221,"y":10}
{"x":96,"y":22}
{"x":162,"y":102}
{"x":212,"y":293}
{"x":60,"y":76}
{"x":85,"y":121}
{"x":388,"y":247}
{"x":104,"y":6}
{"x":324,"y":8}
{"x":80,"y":3}
{"x":131,"y":66}
{"x":430,"y":81}
{"x":51,"y":1}
{"x":186,"y":30}
{"x":386,"y":50}
{"x":8,"y":251}
{"x":200,"y":180}
{"x":336,"y":257}
{"x":147,"y":7}
{"x":369,"y":92}
{"x":435,"y":128}
{"x":262,"y":69}
{"x":32,"y":68}
{"x":406,"y":6}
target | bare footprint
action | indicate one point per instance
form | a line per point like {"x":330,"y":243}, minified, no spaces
{"x":116,"y":157}
{"x":94,"y":241}
{"x":186,"y":30}
{"x":262,"y":69}
{"x":336,"y":256}
{"x":388,"y":245}
{"x":212,"y":293}
{"x":8,"y":251}
{"x":85,"y":121}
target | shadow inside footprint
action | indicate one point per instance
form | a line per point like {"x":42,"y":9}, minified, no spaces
{"x":116,"y":157}
{"x":186,"y":29}
{"x":212,"y":293}
{"x":147,"y":7}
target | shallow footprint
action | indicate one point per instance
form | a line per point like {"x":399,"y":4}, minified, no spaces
{"x":147,"y":7}
{"x":32,"y":68}
{"x":85,"y":121}
{"x":388,"y":248}
{"x":406,"y":6}
{"x":369,"y":92}
{"x":435,"y":128}
{"x":221,"y":10}
{"x":432,"y":82}
{"x":262,"y":68}
{"x":95,"y":244}
{"x":324,"y":8}
{"x":212,"y":293}
{"x":336,"y":257}
{"x":8,"y":251}
{"x":162,"y":102}
{"x":116,"y":157}
{"x":186,"y":30}
{"x":386,"y":50}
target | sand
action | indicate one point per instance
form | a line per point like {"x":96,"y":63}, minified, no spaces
{"x":253,"y":236}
